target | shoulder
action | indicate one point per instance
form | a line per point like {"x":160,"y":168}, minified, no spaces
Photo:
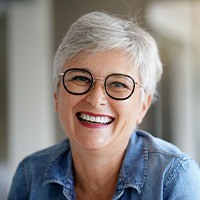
{"x":160,"y":156}
{"x":171,"y":167}
{"x":157,"y":146}
{"x":44,"y":158}
{"x":32,"y":170}
{"x":50,"y":152}
{"x":41,"y":159}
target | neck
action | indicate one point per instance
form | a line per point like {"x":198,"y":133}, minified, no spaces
{"x":96,"y":172}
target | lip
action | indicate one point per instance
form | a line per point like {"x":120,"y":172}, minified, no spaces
{"x":93,"y":120}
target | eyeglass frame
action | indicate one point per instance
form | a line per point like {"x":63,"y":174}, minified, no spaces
{"x":94,"y":78}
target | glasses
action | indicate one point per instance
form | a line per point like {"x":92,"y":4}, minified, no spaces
{"x":80,"y":81}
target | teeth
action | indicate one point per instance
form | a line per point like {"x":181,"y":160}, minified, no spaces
{"x":98,"y":119}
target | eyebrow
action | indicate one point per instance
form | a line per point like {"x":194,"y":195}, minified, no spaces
{"x":87,"y":69}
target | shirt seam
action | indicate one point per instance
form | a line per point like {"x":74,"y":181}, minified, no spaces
{"x":173,"y":173}
{"x":53,"y":179}
{"x":178,"y":156}
{"x":24,"y":180}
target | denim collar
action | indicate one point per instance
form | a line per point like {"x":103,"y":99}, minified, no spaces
{"x":132,"y":174}
{"x":60,"y":170}
{"x":134,"y":167}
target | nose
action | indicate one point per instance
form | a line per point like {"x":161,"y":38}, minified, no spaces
{"x":97,"y":96}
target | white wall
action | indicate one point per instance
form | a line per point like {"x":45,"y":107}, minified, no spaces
{"x":31,"y":117}
{"x":178,"y":22}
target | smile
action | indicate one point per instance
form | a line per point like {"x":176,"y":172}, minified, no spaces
{"x":94,"y":118}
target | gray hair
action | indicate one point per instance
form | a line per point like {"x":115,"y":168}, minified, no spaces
{"x":98,"y":32}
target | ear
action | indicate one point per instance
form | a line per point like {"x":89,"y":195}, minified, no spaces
{"x":55,"y":101}
{"x":144,"y":108}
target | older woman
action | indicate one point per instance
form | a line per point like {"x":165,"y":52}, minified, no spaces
{"x":105,"y":71}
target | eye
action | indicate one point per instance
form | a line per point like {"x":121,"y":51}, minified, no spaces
{"x":81,"y":80}
{"x":117,"y":85}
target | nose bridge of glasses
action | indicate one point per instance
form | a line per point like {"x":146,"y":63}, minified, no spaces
{"x":99,"y":78}
{"x":95,"y":83}
{"x":98,"y":86}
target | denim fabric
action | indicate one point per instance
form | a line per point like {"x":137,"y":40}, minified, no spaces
{"x":152,"y":169}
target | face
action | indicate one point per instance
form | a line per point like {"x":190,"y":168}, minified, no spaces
{"x":94,"y":121}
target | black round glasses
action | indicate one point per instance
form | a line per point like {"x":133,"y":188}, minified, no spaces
{"x":118,"y":86}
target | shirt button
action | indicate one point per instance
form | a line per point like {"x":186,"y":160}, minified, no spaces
{"x":68,"y":186}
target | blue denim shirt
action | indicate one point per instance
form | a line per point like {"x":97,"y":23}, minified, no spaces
{"x":152,"y":169}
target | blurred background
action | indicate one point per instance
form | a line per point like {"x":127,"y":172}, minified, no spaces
{"x":30,"y":31}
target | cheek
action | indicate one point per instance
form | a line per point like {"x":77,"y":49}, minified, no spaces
{"x":127,"y":114}
{"x":131,"y":113}
{"x":65,"y":112}
{"x":67,"y":108}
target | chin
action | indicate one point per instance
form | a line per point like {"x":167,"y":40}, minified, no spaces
{"x":92,"y":144}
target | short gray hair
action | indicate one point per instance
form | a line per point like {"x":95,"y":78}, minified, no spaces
{"x":100,"y":31}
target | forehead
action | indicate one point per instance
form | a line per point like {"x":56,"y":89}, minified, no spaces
{"x":103,"y":63}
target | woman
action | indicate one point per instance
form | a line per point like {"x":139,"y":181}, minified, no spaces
{"x":105,"y":71}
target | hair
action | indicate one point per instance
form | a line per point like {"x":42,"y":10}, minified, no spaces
{"x":98,"y":32}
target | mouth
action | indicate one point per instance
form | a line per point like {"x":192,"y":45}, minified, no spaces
{"x":94,"y":119}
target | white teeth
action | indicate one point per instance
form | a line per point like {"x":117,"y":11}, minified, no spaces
{"x":98,"y":119}
{"x":86,"y":117}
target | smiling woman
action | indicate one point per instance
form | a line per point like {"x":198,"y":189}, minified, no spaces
{"x":105,"y":73}
{"x":97,"y":99}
